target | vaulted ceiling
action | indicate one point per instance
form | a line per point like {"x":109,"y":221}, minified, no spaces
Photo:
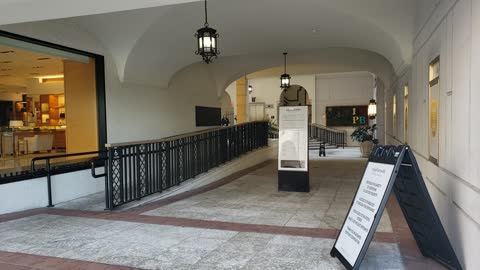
{"x":151,"y":40}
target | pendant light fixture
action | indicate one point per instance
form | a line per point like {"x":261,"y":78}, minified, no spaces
{"x":285,"y":78}
{"x":207,"y":41}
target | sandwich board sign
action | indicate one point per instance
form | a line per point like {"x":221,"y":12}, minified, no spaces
{"x":392,"y":168}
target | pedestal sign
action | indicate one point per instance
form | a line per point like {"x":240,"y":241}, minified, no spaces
{"x":392,"y":167}
{"x":293,"y":149}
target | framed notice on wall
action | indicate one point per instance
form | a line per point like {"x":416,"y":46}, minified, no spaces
{"x":293,"y":138}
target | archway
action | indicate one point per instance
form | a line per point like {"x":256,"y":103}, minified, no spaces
{"x":296,"y":95}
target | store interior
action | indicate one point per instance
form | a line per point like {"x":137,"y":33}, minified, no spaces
{"x":47,"y":104}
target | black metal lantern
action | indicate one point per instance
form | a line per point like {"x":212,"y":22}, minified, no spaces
{"x":372,"y":109}
{"x":285,"y":78}
{"x":207,"y":41}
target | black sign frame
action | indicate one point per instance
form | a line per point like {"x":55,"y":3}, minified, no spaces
{"x":424,"y":223}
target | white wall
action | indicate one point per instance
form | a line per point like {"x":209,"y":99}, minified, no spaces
{"x":453,"y":32}
{"x":332,"y":89}
{"x":33,"y":193}
{"x":342,"y":89}
{"x":267,"y":89}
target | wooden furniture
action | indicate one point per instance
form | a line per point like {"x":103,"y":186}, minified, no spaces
{"x":50,"y":108}
{"x":59,"y":141}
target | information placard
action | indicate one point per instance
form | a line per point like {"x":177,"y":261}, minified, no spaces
{"x":363,"y":210}
{"x":293,"y":138}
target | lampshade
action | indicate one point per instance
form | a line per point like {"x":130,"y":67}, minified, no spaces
{"x":285,"y":81}
{"x":15,"y":123}
{"x":372,"y":109}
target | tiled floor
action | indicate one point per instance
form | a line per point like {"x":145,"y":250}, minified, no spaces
{"x":254,"y":199}
{"x":171,"y":247}
{"x":227,"y":226}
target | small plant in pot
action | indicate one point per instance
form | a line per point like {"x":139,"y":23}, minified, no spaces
{"x":364,"y":135}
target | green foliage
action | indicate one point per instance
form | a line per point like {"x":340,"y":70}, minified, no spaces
{"x":272,"y":126}
{"x":364,"y":133}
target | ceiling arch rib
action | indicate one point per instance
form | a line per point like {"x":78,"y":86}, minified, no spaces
{"x":329,"y":60}
{"x":159,"y":41}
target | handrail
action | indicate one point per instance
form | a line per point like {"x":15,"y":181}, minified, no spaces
{"x":49,"y":171}
{"x":175,"y":137}
{"x":327,"y":128}
{"x":328,"y":135}
{"x":138,"y":169}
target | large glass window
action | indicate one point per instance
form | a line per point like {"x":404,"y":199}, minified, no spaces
{"x":48,"y":104}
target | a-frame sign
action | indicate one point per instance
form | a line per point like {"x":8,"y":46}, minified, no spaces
{"x":392,"y":167}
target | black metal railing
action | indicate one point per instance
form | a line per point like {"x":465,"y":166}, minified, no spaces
{"x":135,"y":170}
{"x":47,"y":170}
{"x":328,"y":135}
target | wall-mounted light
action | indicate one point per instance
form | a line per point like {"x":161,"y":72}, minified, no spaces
{"x":250,"y":89}
{"x":207,"y":41}
{"x":372,"y":109}
{"x":285,"y":78}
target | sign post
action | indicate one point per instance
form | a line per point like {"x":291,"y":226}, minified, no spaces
{"x":392,"y":168}
{"x":293,"y":149}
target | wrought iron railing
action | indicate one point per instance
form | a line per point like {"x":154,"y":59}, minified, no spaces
{"x":135,"y":170}
{"x":328,"y":135}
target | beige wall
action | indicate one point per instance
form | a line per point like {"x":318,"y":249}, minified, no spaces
{"x":80,"y":107}
{"x":453,"y":33}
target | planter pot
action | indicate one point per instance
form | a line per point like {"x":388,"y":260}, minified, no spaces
{"x":366,"y":148}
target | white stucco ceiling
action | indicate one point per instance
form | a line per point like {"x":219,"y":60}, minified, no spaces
{"x":150,"y":45}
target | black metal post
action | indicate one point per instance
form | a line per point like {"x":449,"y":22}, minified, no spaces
{"x":49,"y":183}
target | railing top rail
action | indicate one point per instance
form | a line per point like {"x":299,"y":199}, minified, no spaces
{"x":32,"y":162}
{"x":327,"y":128}
{"x":176,"y":137}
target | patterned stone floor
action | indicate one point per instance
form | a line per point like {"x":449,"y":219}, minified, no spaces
{"x":255,"y":199}
{"x":226,"y":226}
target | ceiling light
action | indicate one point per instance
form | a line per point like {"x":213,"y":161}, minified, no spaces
{"x":285,"y":78}
{"x":7,"y":52}
{"x":5,"y":62}
{"x":43,"y":58}
{"x":37,"y":67}
{"x":51,"y":78}
{"x":207,"y":41}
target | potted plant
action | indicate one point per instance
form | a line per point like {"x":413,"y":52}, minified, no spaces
{"x":364,"y":135}
{"x":272,"y":130}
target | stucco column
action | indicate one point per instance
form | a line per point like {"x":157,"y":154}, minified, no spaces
{"x":242,"y":100}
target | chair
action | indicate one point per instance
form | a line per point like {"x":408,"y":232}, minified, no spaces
{"x":40,"y":143}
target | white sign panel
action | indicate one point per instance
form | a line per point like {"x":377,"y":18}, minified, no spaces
{"x":293,"y":138}
{"x":364,"y":208}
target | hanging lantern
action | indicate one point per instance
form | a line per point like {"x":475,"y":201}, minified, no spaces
{"x":250,"y":89}
{"x":207,"y":41}
{"x":372,"y":109}
{"x":285,"y":78}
